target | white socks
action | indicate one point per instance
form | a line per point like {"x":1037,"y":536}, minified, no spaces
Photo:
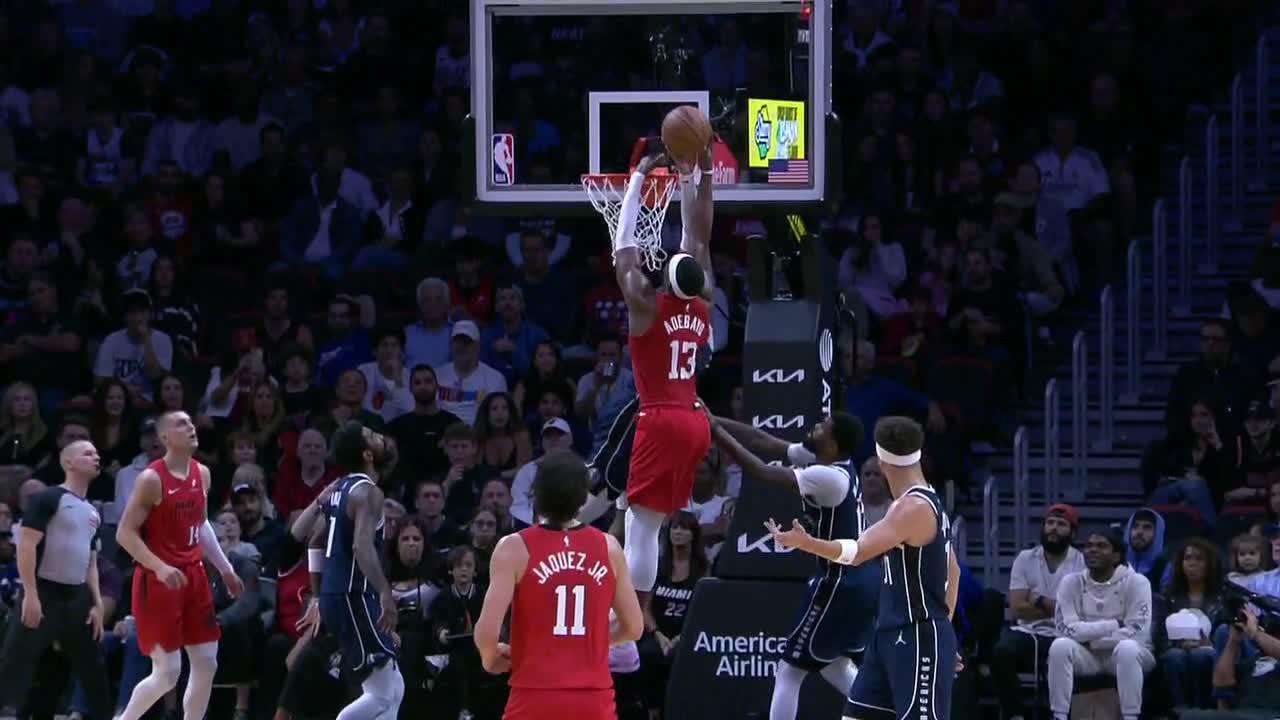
{"x":383,"y":691}
{"x":204,"y":663}
{"x":641,"y":547}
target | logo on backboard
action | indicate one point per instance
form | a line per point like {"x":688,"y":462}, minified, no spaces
{"x":504,"y":160}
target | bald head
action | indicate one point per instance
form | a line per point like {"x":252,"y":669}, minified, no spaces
{"x":80,"y":460}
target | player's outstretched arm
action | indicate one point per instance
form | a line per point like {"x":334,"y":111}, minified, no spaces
{"x":145,"y":496}
{"x":636,"y":289}
{"x":764,"y":444}
{"x":626,"y":605}
{"x":505,"y":568}
{"x":909,"y":521}
{"x":696,"y":215}
{"x":752,"y":466}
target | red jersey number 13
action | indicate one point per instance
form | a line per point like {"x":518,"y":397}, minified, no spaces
{"x":684,"y":359}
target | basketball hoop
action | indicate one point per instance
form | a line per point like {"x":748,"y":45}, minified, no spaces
{"x":605,"y":192}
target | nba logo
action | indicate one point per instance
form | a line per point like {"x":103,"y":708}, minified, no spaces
{"x":504,"y":159}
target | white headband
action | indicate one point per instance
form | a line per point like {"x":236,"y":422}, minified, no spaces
{"x":898,"y":460}
{"x":671,"y":276}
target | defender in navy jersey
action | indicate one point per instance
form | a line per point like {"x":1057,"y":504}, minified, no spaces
{"x":356,"y":604}
{"x":910,"y":664}
{"x":837,"y":617}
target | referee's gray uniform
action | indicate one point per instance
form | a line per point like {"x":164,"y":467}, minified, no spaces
{"x":70,"y":526}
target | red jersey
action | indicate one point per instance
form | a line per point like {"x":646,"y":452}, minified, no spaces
{"x":665,"y":357}
{"x":172,"y":529}
{"x":560,"y":613}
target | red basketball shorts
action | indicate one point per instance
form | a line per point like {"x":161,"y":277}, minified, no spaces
{"x":669,"y":444}
{"x":173,"y":618}
{"x":530,"y":704}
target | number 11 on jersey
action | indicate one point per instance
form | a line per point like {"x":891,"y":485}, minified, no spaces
{"x":578,"y":628}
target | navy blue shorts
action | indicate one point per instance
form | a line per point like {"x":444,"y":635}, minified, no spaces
{"x":838,"y":617}
{"x":907,"y":673}
{"x":612,"y":459}
{"x":350,"y":619}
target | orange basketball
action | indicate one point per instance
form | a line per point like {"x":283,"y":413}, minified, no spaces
{"x":686,"y":132}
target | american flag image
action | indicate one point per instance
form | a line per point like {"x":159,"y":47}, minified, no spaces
{"x":788,"y":171}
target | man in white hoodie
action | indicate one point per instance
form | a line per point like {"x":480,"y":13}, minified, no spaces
{"x":1104,"y":618}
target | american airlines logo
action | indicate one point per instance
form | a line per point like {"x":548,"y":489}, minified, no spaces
{"x":777,"y":422}
{"x":777,"y":376}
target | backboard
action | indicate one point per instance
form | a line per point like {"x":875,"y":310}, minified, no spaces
{"x":561,"y":88}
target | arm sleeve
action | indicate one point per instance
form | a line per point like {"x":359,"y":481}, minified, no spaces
{"x":824,"y":484}
{"x":1068,"y":620}
{"x":42,"y":508}
{"x":212,"y":550}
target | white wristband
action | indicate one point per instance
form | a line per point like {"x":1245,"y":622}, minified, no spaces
{"x":848,"y":551}
{"x":798,"y":455}
{"x":315,"y":560}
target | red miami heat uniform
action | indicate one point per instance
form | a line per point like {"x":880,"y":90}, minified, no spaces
{"x":166,"y":617}
{"x":672,"y":432}
{"x":560,"y":628}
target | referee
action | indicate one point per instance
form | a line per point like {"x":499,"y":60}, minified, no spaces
{"x":57,"y":561}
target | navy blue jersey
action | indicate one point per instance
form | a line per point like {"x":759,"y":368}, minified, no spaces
{"x":828,"y":521}
{"x":915,"y":578}
{"x":341,"y":573}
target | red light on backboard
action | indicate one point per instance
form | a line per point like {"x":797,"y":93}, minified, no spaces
{"x":806,"y":11}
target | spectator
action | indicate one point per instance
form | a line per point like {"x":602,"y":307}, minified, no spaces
{"x":508,"y":344}
{"x":1052,"y":224}
{"x":1077,"y":178}
{"x":496,"y":498}
{"x":682,"y":563}
{"x":278,"y":330}
{"x":127,"y":476}
{"x":1249,"y":556}
{"x":451,"y":615}
{"x":411,"y":569}
{"x":503,"y":440}
{"x":602,"y":385}
{"x":103,"y":164}
{"x":239,"y":135}
{"x":395,"y":229}
{"x":556,"y":435}
{"x":45,"y":346}
{"x":387,"y":388}
{"x":231,"y":382}
{"x":427,"y":341}
{"x":915,"y":333}
{"x":348,"y":404}
{"x":322,"y":229}
{"x":876,"y":497}
{"x":346,"y":345}
{"x":466,"y":477}
{"x":429,"y":502}
{"x":272,"y":183}
{"x":471,"y":290}
{"x":1255,"y":337}
{"x":237,"y":615}
{"x":112,"y":427}
{"x":133,"y":269}
{"x":1183,"y":620}
{"x":708,"y":502}
{"x":302,"y":477}
{"x":551,"y":298}
{"x":349,"y":185}
{"x":554,"y":404}
{"x":1110,"y":633}
{"x":419,"y":434}
{"x":870,"y":397}
{"x":483,"y":532}
{"x":137,"y":355}
{"x":25,"y":440}
{"x":1210,"y":377}
{"x":1191,"y":466}
{"x":300,"y":394}
{"x":1022,"y":257}
{"x":546,"y":369}
{"x":1254,"y":683}
{"x":985,"y":316}
{"x":1034,"y":581}
{"x":874,"y":268}
{"x":1257,"y":456}
{"x":264,"y":533}
{"x":386,"y":137}
{"x":1145,"y":554}
{"x":182,"y":137}
{"x":465,"y":381}
{"x":264,"y":421}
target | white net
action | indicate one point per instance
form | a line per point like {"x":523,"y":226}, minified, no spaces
{"x":605,"y":193}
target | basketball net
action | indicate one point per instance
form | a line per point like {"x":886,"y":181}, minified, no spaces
{"x":605,"y":192}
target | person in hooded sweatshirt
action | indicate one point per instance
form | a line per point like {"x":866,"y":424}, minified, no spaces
{"x":1104,"y":617}
{"x":1145,"y":533}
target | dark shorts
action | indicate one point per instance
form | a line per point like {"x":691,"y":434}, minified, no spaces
{"x":351,"y":620}
{"x":907,"y":673}
{"x":839,"y":615}
{"x":612,"y":460}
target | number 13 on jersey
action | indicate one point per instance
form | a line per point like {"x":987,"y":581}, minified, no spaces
{"x":684,"y":360}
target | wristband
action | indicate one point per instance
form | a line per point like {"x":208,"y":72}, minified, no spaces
{"x":848,"y":551}
{"x":315,"y":560}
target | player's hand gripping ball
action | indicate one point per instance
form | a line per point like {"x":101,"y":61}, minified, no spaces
{"x":686,"y":132}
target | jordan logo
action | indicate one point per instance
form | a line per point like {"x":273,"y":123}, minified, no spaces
{"x":900,"y":640}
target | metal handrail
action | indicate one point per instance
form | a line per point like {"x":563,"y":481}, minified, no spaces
{"x":1183,"y":307}
{"x":1079,"y":412}
{"x":1106,"y":371}
{"x":1261,"y":111}
{"x":1051,"y":425}
{"x":991,"y":537}
{"x":1132,"y":319}
{"x":1210,"y":263}
{"x":1021,"y":484}
{"x":1159,"y":281}
{"x":1237,"y":149}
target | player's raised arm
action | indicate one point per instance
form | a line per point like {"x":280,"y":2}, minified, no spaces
{"x":626,"y":605}
{"x":505,"y":568}
{"x":764,"y":444}
{"x":752,"y":466}
{"x":909,"y":521}
{"x":365,"y":504}
{"x":146,"y":495}
{"x":696,"y":215}
{"x":636,"y":289}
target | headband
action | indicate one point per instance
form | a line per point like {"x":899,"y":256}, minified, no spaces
{"x":897,"y":460}
{"x":671,"y":276}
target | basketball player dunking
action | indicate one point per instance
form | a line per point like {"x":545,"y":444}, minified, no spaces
{"x":166,"y":530}
{"x":910,"y":665}
{"x":667,"y":327}
{"x":560,"y":579}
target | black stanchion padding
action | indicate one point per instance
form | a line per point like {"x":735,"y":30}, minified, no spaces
{"x":733,"y":637}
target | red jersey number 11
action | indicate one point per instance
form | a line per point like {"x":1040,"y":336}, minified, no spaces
{"x":577,"y":628}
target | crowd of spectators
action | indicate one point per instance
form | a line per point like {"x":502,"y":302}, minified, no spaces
{"x":250,"y":211}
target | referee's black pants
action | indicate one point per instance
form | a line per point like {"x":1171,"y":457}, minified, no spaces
{"x":65,"y":608}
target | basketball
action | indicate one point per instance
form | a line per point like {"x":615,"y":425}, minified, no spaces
{"x":686,"y":132}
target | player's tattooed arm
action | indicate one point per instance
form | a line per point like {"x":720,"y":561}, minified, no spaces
{"x":696,"y":216}
{"x":752,"y":466}
{"x":753,"y":439}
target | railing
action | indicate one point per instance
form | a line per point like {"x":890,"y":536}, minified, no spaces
{"x":1051,"y":454}
{"x":1210,"y":264}
{"x":1079,"y":414}
{"x":1106,"y":371}
{"x":1021,"y":485}
{"x":1262,"y":111}
{"x":1159,"y":281}
{"x":1132,"y":318}
{"x":1235,"y":222}
{"x":991,"y":532}
{"x":1183,"y":308}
